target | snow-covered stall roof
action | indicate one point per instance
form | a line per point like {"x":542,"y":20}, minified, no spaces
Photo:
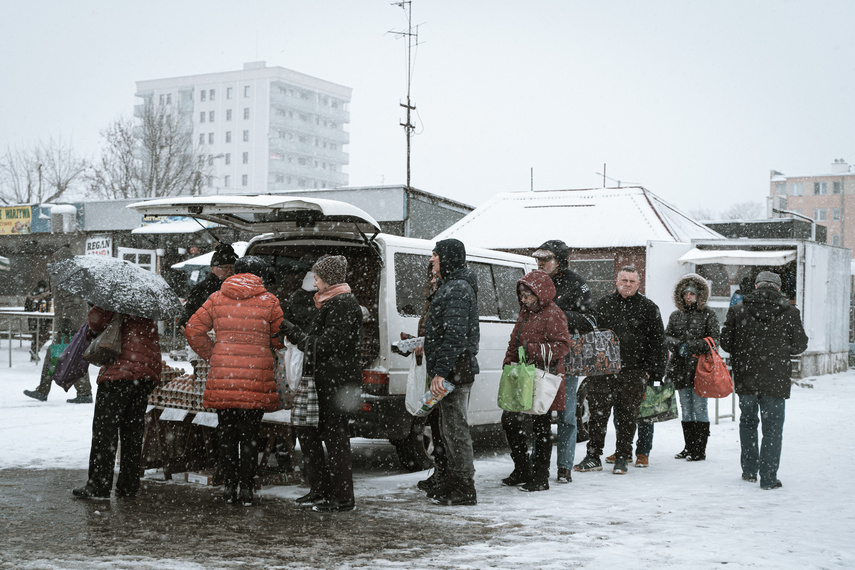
{"x":204,"y":260}
{"x":592,"y":218}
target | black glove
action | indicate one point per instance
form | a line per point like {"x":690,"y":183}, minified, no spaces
{"x":291,"y":331}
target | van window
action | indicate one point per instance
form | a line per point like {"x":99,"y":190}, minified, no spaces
{"x":411,"y":273}
{"x":488,"y":303}
{"x":506,"y":286}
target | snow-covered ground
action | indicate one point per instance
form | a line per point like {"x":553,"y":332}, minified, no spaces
{"x":672,"y":515}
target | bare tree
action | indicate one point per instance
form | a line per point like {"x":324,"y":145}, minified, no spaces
{"x":151,"y":157}
{"x":39,"y":174}
{"x":744,"y":211}
{"x":702,"y":214}
{"x":116,"y":173}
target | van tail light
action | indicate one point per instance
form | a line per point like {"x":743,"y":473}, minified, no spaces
{"x":375,"y":382}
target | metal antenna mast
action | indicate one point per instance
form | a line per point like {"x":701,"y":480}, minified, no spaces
{"x":412,"y":36}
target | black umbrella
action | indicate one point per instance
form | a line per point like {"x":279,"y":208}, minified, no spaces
{"x":117,"y":285}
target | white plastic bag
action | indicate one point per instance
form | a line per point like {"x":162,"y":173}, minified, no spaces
{"x":289,"y":365}
{"x":546,"y":387}
{"x":416,"y":385}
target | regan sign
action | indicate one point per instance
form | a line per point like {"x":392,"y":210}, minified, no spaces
{"x":99,"y":245}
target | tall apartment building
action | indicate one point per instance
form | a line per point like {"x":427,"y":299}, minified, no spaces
{"x":260,"y":129}
{"x":821,"y":197}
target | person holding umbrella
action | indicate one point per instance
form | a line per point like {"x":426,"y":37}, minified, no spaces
{"x":137,"y":299}
{"x":240,"y":385}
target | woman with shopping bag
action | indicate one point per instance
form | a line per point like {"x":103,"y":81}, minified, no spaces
{"x":687,"y":327}
{"x":541,"y":331}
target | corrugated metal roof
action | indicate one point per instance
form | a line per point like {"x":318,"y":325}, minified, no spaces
{"x":593,"y":218}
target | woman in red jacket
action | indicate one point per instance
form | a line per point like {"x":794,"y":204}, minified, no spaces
{"x":541,"y":329}
{"x":240,"y":384}
{"x":123,"y":389}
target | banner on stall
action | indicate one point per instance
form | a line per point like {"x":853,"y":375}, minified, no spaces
{"x":16,"y":220}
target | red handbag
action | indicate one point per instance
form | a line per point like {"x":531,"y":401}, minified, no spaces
{"x":712,"y":380}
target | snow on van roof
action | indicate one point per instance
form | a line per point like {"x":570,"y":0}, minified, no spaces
{"x":591,"y":218}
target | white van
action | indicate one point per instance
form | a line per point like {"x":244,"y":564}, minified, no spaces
{"x":387,"y":274}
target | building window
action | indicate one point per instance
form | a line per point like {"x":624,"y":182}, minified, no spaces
{"x":780,"y":188}
{"x":162,"y":99}
{"x":796,"y":188}
{"x":228,"y":158}
{"x":211,"y":94}
{"x":201,"y":138}
{"x":835,"y":214}
{"x":820,"y":188}
{"x":836,"y":187}
{"x":228,"y":92}
{"x":819,"y":214}
{"x":202,"y":116}
{"x":246,"y":90}
{"x":228,"y":114}
{"x":246,"y":158}
{"x":210,"y":138}
{"x":244,"y":180}
{"x":835,"y":240}
{"x":227,"y":180}
{"x":169,"y":98}
{"x":202,"y":95}
{"x":210,"y":116}
{"x":228,"y":136}
{"x":246,"y":112}
{"x":246,"y":136}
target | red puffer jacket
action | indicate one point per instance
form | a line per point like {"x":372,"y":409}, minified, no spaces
{"x":244,"y":316}
{"x":140,"y":357}
{"x":541,"y":329}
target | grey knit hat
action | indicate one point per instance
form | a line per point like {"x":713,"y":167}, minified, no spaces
{"x":332,"y":269}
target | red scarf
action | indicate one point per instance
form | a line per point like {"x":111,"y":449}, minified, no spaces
{"x":333,"y":291}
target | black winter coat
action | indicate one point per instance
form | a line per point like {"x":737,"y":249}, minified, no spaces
{"x":199,"y":294}
{"x":637,"y":322}
{"x":761,"y":334}
{"x":333,"y":355}
{"x":688,"y":326}
{"x":573,"y":296}
{"x":452,"y":329}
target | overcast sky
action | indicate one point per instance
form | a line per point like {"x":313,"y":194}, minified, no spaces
{"x":696,"y":100}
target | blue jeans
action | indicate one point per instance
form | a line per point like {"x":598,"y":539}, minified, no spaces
{"x":567,"y":425}
{"x":766,"y":459}
{"x":644,"y":443}
{"x":693,"y":408}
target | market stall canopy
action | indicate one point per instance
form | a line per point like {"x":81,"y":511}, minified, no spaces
{"x":204,"y":261}
{"x":590,"y":218}
{"x":737,"y":257}
{"x":267,"y":213}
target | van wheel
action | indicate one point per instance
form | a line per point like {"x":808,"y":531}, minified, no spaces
{"x":415,"y":450}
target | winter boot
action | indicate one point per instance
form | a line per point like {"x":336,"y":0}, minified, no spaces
{"x":539,"y":481}
{"x":702,"y":434}
{"x":590,"y":463}
{"x":520,"y":474}
{"x":432,"y":482}
{"x":457,"y":492}
{"x":36,"y":395}
{"x":687,"y":437}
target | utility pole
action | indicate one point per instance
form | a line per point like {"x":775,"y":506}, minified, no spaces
{"x":412,"y":37}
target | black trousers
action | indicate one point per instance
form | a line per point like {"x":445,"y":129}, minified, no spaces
{"x":119,"y":416}
{"x":330,"y":474}
{"x":623,"y":392}
{"x":237,"y":431}
{"x":519,"y":429}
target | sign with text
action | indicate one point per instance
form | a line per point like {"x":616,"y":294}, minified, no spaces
{"x":99,"y":245}
{"x":16,"y":220}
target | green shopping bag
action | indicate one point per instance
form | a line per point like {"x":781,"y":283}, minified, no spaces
{"x":516,"y":388}
{"x":56,"y":350}
{"x":659,"y":404}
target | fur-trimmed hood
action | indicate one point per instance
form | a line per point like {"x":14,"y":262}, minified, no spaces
{"x":699,"y":283}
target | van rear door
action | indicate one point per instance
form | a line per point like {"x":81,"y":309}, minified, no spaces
{"x":262,"y":214}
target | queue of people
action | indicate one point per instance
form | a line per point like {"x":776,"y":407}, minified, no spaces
{"x":761,"y":332}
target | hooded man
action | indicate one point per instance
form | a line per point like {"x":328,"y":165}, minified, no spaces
{"x":452,"y":335}
{"x":222,"y":267}
{"x":573,"y":296}
{"x":761,"y":334}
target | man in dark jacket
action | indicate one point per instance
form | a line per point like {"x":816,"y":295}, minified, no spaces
{"x":643,"y":356}
{"x":573,"y":296}
{"x":452,"y":335}
{"x":222,"y":267}
{"x":761,"y":334}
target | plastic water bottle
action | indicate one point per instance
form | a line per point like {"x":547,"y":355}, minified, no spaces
{"x":429,"y":401}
